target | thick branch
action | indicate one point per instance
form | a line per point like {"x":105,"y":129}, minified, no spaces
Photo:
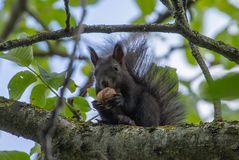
{"x":220,"y":47}
{"x":82,"y":141}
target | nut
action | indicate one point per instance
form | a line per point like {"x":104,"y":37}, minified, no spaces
{"x":105,"y":94}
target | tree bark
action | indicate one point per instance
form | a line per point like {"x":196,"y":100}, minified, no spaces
{"x":79,"y":140}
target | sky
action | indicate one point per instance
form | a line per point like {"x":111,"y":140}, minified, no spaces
{"x":115,"y":12}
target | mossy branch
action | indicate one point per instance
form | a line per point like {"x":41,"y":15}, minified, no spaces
{"x":88,"y":141}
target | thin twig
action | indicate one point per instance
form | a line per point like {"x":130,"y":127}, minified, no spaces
{"x":49,"y":129}
{"x":68,"y":15}
{"x":209,"y":79}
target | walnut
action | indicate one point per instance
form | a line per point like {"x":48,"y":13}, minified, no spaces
{"x":105,"y":94}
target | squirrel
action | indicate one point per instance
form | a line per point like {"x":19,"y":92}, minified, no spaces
{"x":145,"y":92}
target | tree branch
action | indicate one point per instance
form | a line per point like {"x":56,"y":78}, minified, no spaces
{"x":163,"y":16}
{"x":226,"y":50}
{"x":62,"y":33}
{"x":68,"y":15}
{"x":216,"y":102}
{"x":83,"y":141}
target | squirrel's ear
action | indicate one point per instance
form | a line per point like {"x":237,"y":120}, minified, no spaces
{"x":93,"y":56}
{"x":118,"y":53}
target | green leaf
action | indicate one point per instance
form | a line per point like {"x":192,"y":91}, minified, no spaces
{"x":228,"y":114}
{"x":203,"y":92}
{"x":35,"y":149}
{"x":13,"y":155}
{"x":38,"y":95}
{"x":162,"y":73}
{"x":87,"y":69}
{"x":82,"y":105}
{"x":42,"y":61}
{"x":91,"y":92}
{"x":50,"y":103}
{"x":67,"y":112}
{"x":19,"y":83}
{"x":139,"y":20}
{"x":146,"y":7}
{"x":190,"y":102}
{"x":197,"y":19}
{"x":72,"y":86}
{"x":55,"y":80}
{"x":226,"y":88}
{"x":23,"y":56}
{"x":189,"y":57}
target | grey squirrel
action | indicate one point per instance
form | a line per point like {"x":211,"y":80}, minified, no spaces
{"x":146,"y":94}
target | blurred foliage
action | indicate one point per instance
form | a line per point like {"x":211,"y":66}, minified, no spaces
{"x":14,"y":155}
{"x":225,"y":88}
{"x":45,"y":15}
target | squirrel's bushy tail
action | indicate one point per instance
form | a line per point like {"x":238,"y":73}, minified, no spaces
{"x":161,"y":82}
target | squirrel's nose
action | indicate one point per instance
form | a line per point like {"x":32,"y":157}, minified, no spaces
{"x":105,"y":83}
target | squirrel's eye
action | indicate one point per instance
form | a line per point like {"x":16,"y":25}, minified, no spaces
{"x":115,"y":68}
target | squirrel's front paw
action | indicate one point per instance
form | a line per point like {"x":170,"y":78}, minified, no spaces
{"x":117,"y":100}
{"x":100,"y":106}
{"x":97,"y":104}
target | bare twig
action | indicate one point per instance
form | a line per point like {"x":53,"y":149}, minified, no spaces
{"x":49,"y":129}
{"x":68,"y":15}
{"x":208,"y":77}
